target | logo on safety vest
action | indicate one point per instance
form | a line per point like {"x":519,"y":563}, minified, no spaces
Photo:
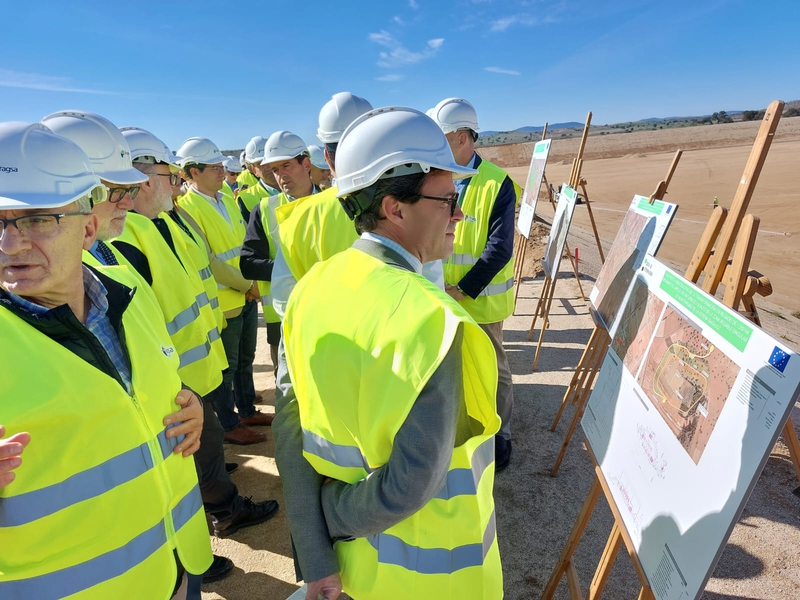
{"x":167,"y":351}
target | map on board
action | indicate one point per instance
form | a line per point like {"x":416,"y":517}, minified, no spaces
{"x":533,"y":184}
{"x":562,"y":219}
{"x":641,"y":233}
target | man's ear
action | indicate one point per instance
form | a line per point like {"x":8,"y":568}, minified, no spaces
{"x":392,"y":209}
{"x":307,"y":164}
{"x":90,"y":231}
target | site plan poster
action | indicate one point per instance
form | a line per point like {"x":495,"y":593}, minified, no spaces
{"x":641,"y":233}
{"x":565,"y":207}
{"x":688,"y":404}
{"x":534,"y":183}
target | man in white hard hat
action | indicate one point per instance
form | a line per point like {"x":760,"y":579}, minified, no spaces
{"x":220,"y":223}
{"x":246,"y":178}
{"x":320,"y":171}
{"x":156,"y":246}
{"x":286,"y":157}
{"x":100,"y":139}
{"x":395,"y":382}
{"x":264,"y":184}
{"x":105,"y":480}
{"x":479,"y":274}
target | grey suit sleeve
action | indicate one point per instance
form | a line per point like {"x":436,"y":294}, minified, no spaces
{"x":314,"y":553}
{"x":417,"y":467}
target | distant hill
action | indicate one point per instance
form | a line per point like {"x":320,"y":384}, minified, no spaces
{"x":574,"y":128}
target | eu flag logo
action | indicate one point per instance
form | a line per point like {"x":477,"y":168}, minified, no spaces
{"x":779,"y":359}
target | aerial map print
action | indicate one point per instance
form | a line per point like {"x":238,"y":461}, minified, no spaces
{"x":688,"y":380}
{"x":637,"y":323}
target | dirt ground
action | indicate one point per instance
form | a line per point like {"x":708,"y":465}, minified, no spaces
{"x":535,"y":512}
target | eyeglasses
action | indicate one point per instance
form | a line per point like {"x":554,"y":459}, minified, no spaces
{"x":115,"y":194}
{"x":216,"y":168}
{"x":452,"y":200}
{"x":37,"y":226}
{"x":174,"y":178}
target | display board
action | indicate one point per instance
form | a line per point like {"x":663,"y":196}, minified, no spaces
{"x":688,"y":404}
{"x":641,"y":233}
{"x":532,"y":186}
{"x":565,"y":207}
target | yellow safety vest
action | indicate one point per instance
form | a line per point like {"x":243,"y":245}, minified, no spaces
{"x":253,"y":195}
{"x":313,"y":229}
{"x":269,"y":205}
{"x":248,"y":179}
{"x":181,"y":296}
{"x":496,"y":302}
{"x":197,"y":255}
{"x":100,"y":501}
{"x":224,"y":238}
{"x":362,"y":341}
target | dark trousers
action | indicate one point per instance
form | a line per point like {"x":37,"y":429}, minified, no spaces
{"x":239,"y":340}
{"x":219,"y":493}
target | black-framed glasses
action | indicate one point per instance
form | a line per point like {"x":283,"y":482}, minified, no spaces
{"x":37,"y":226}
{"x":452,"y":200}
{"x":174,"y":178}
{"x":116,"y":194}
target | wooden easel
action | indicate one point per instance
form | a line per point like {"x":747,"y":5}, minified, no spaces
{"x":546,"y":299}
{"x":595,"y":351}
{"x":577,"y":181}
{"x":742,"y":231}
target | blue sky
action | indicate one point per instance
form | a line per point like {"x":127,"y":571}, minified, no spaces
{"x":203,"y":68}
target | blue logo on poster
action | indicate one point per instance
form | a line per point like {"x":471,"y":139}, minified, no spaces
{"x":669,"y":208}
{"x":779,"y":359}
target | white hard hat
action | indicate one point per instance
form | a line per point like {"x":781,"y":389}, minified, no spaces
{"x":242,"y":161}
{"x":39,"y":169}
{"x":341,"y":110}
{"x":453,"y":114}
{"x":199,"y":150}
{"x":390,"y":142}
{"x":232,"y":165}
{"x":147,"y":148}
{"x":100,"y":139}
{"x":254,"y":151}
{"x":318,"y":157}
{"x":283,"y":145}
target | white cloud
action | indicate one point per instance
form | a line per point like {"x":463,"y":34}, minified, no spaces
{"x":398,"y":55}
{"x":413,"y":4}
{"x":46,"y":83}
{"x":398,"y":20}
{"x":502,"y":71}
{"x":389,"y":77}
{"x":506,"y":22}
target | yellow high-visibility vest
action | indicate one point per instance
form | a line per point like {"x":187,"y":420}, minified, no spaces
{"x":496,"y":302}
{"x":248,"y":179}
{"x":197,"y":254}
{"x":362,"y":341}
{"x":313,"y":229}
{"x":100,"y":501}
{"x":181,"y":296}
{"x":254,"y":194}
{"x":225,"y":238}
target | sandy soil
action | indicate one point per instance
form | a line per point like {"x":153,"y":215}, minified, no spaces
{"x":535,"y":512}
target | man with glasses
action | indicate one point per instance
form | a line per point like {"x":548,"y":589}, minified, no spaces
{"x":223,"y":228}
{"x":100,"y":139}
{"x":480,"y":273}
{"x":100,"y":416}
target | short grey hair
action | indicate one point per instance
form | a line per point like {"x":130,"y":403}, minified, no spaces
{"x":84,"y":204}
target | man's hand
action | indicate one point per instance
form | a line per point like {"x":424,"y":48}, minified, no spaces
{"x":189,"y":421}
{"x":329,"y":588}
{"x":454,"y":292}
{"x":10,"y":455}
{"x":253,"y":293}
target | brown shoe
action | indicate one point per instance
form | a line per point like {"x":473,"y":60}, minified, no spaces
{"x":258,"y":418}
{"x":244,"y":436}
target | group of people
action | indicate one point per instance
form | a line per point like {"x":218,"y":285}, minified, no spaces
{"x":130,"y":278}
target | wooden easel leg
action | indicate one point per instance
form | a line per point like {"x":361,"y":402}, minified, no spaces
{"x":539,"y":305}
{"x":790,"y":437}
{"x":545,"y":323}
{"x":594,"y":225}
{"x":565,"y":559}
{"x":646,"y":593}
{"x":577,"y":376}
{"x":573,"y":583}
{"x":575,"y":270}
{"x":582,"y":397}
{"x":518,"y":275}
{"x":606,"y":563}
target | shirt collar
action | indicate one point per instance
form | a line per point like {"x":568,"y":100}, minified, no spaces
{"x":95,"y":291}
{"x":216,"y":198}
{"x":412,"y":260}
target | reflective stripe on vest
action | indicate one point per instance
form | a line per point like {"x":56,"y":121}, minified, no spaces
{"x":433,"y":561}
{"x":346,"y":457}
{"x":205,"y":273}
{"x":77,"y":578}
{"x":229,"y":254}
{"x":493,"y":289}
{"x":186,"y":317}
{"x":195,"y":354}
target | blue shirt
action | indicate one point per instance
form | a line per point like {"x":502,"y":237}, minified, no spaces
{"x":96,"y":322}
